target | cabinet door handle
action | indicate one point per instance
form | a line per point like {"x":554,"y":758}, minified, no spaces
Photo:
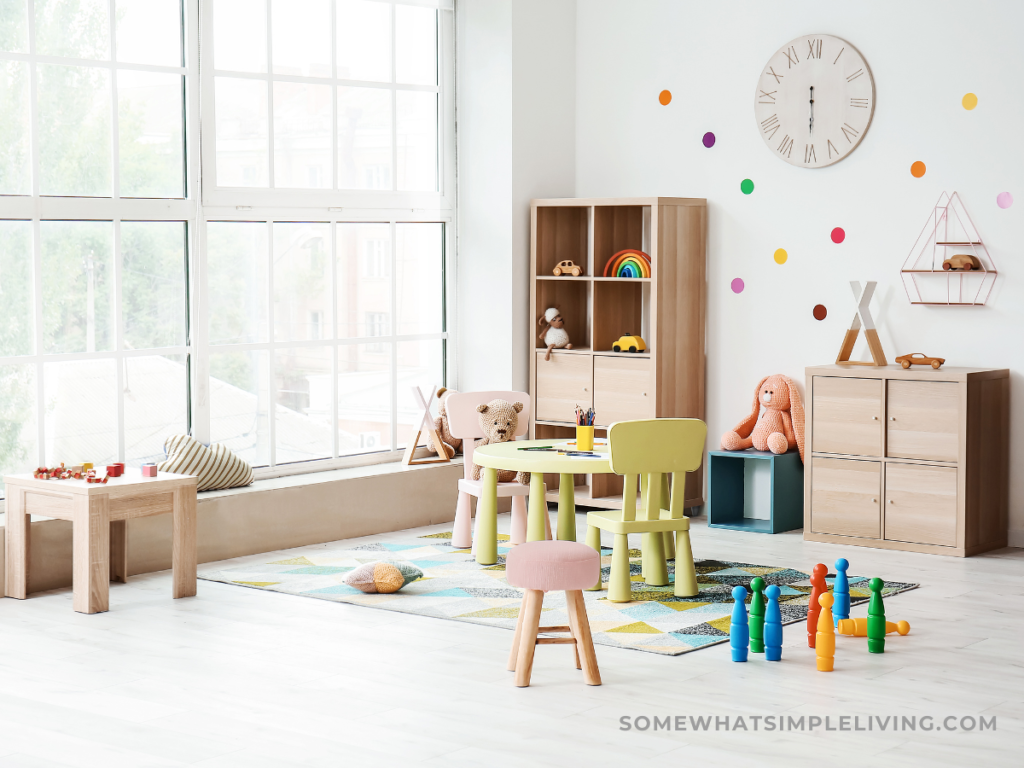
{"x":892,"y":418}
{"x":874,"y":501}
{"x":874,"y":418}
{"x":891,"y":501}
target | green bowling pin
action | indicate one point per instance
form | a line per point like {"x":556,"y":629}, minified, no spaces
{"x":876,"y":618}
{"x":756,"y":622}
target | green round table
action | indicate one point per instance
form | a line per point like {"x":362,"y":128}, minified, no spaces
{"x":511,"y":456}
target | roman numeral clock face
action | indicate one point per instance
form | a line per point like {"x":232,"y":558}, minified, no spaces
{"x":814,"y":101}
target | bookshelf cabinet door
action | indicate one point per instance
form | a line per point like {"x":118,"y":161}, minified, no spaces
{"x":563,"y":382}
{"x":622,"y":389}
{"x":845,"y":496}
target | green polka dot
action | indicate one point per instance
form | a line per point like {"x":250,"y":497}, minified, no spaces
{"x":746,"y":186}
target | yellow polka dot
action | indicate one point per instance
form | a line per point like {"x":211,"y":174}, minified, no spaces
{"x":970,"y":101}
{"x":781,"y":256}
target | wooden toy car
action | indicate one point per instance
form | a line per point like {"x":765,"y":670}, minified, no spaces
{"x":964,"y":261}
{"x":629,"y":343}
{"x":918,"y":358}
{"x":567,"y":268}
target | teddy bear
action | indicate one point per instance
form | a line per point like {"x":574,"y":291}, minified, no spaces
{"x":449,"y":442}
{"x":779,"y":428}
{"x":499,"y":420}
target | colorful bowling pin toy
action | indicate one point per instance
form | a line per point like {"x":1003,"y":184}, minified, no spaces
{"x":739,"y":632}
{"x":876,"y":618}
{"x":757,"y":615}
{"x":859,"y":627}
{"x":773,"y":625}
{"x":841,"y":591}
{"x":818,"y":586}
{"x":825,"y":642}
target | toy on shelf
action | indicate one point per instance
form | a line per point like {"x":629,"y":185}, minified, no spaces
{"x":567,"y":268}
{"x":876,"y":618}
{"x":780,"y":428}
{"x":918,"y":358}
{"x":552,"y":332}
{"x":818,"y":587}
{"x":862,"y":317}
{"x":825,"y":640}
{"x":739,"y":632}
{"x":961,"y":261}
{"x":628,"y":263}
{"x":773,"y":625}
{"x":629,"y":343}
{"x":841,"y":591}
{"x":757,"y":615}
{"x":428,"y":425}
{"x":450,"y":444}
{"x":859,"y":627}
{"x":149,"y":470}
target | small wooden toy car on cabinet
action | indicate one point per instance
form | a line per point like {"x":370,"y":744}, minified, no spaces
{"x":567,"y":268}
{"x":962,"y":261}
{"x":629,"y":343}
{"x":917,"y":358}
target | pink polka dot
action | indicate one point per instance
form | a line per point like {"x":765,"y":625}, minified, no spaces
{"x":1004,"y":199}
{"x":737,"y":285}
{"x":838,"y":235}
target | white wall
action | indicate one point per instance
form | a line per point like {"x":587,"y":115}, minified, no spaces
{"x":924,"y":56}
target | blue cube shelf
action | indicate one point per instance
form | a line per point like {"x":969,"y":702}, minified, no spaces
{"x":726,"y":491}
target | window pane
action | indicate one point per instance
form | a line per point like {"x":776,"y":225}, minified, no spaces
{"x":154,"y":405}
{"x":242,"y":141}
{"x":15,"y":159}
{"x":417,"y":140}
{"x":240,"y":35}
{"x":13,"y":26}
{"x":364,"y":138}
{"x":80,"y":401}
{"x":302,"y":282}
{"x":364,"y":40}
{"x":153,"y":283}
{"x":237,"y":265}
{"x":16,"y":295}
{"x":75,"y":28}
{"x":74,"y":131}
{"x":415,"y":45}
{"x":149,"y":129}
{"x":364,"y":398}
{"x":364,"y":280}
{"x":302,"y":136}
{"x":78,"y":280}
{"x":303,"y":415}
{"x":19,"y":451}
{"x":420,"y":280}
{"x":302,"y":37}
{"x":420,"y":364}
{"x":240,"y":404}
{"x":149,"y":32}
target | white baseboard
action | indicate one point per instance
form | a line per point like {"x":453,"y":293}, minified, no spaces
{"x":1015,"y":538}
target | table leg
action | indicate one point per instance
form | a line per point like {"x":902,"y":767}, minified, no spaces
{"x":566,"y":508}
{"x":119,"y":550}
{"x":90,"y":566}
{"x":16,"y":582}
{"x":486,"y":539}
{"x":535,"y":529}
{"x":183,"y":546}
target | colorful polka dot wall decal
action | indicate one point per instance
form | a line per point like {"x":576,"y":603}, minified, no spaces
{"x":709,"y":140}
{"x":838,"y":235}
{"x":970,"y":101}
{"x":781,"y":256}
{"x":746,"y":186}
{"x":917,"y":170}
{"x":1004,"y":199}
{"x":665,"y":97}
{"x":737,"y":285}
{"x":820,"y":312}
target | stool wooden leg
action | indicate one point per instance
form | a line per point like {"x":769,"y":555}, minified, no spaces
{"x":594,"y":542}
{"x":119,"y":550}
{"x":574,"y":628}
{"x":533,"y":601}
{"x":462,"y":530}
{"x":513,"y":657}
{"x":686,"y":573}
{"x":517,"y":530}
{"x":619,"y":589}
{"x":90,"y":567}
{"x":581,"y":631}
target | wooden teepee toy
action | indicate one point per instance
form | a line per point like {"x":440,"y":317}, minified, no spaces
{"x":862,"y":317}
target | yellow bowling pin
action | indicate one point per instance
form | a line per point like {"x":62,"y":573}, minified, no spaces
{"x":825,"y":637}
{"x":859,"y":627}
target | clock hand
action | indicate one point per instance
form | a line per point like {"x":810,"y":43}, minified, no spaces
{"x":812,"y":110}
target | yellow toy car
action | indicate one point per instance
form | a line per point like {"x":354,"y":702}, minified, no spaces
{"x":629,"y":343}
{"x":567,"y":268}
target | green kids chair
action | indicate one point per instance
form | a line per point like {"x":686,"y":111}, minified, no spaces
{"x":649,"y":450}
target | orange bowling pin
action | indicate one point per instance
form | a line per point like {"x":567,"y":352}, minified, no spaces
{"x":859,"y":627}
{"x":825,"y":637}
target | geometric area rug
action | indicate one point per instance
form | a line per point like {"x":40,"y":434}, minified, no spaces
{"x":456,"y":588}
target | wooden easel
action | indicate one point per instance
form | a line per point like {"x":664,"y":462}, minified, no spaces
{"x":426,"y":424}
{"x":862,"y":317}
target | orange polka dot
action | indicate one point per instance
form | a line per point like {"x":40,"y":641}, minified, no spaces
{"x":665,"y":97}
{"x":917,"y":170}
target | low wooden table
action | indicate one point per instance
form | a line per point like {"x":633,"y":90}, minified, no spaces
{"x":99,"y":514}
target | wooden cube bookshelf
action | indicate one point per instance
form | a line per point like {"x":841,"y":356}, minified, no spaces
{"x":667,"y":310}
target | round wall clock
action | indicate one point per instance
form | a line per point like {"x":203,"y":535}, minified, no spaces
{"x":814,"y":101}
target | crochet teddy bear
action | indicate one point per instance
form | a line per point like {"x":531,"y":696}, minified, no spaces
{"x":779,"y":428}
{"x":499,"y":420}
{"x":553,"y":334}
{"x":449,"y":443}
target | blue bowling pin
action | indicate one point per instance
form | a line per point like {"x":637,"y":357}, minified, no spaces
{"x":841,"y":592}
{"x":739,"y":631}
{"x":773,"y":625}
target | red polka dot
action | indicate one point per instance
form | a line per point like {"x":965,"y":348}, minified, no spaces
{"x":820,"y":312}
{"x":838,"y":235}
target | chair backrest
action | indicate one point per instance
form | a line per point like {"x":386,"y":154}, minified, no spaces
{"x":651,"y":449}
{"x":464,"y":419}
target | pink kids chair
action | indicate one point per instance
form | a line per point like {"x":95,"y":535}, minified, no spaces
{"x":464,"y":423}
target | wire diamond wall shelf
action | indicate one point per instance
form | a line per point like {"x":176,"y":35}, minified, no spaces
{"x":930,"y":279}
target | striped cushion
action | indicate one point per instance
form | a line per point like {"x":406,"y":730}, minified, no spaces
{"x":215,"y":466}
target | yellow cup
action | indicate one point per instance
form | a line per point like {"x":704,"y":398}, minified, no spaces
{"x":584,"y":438}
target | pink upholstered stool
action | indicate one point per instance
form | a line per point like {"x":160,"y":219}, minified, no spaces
{"x":550,"y":566}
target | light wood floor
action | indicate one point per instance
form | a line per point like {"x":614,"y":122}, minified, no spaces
{"x":248,"y":679}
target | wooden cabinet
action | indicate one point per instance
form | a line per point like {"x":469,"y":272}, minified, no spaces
{"x":913,"y":459}
{"x":563,"y":382}
{"x":622,"y":389}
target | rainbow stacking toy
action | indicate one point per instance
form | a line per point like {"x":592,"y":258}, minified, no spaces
{"x":628,"y":263}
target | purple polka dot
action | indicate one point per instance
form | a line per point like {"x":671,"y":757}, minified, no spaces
{"x":1004,"y":199}
{"x":709,"y":139}
{"x":737,"y":285}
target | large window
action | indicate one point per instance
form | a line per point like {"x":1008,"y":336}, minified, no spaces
{"x":282,"y":305}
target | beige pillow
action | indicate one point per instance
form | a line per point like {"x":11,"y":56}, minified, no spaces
{"x":215,"y":466}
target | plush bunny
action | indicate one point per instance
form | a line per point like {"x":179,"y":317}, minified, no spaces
{"x":449,"y":442}
{"x":553,"y":334}
{"x":780,"y":428}
{"x":499,"y":420}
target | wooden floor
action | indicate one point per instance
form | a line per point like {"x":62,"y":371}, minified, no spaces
{"x":249,"y":679}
